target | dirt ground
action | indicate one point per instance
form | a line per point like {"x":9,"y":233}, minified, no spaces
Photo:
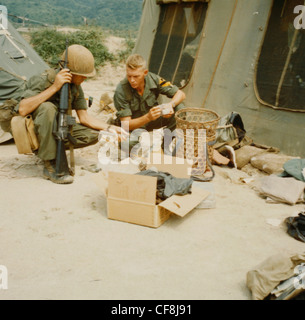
{"x":57,"y":242}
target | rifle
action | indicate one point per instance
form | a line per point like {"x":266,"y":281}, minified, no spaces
{"x":63,"y":132}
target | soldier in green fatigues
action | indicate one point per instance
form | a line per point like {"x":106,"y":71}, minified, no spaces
{"x":136,"y":100}
{"x":41,"y":99}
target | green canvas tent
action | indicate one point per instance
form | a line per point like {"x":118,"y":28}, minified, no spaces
{"x":245,"y":56}
{"x":18,"y":62}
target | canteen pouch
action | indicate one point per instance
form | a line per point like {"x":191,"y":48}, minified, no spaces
{"x":24,"y":134}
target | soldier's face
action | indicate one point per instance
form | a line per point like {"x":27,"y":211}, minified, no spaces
{"x":136,"y":77}
{"x":78,"y":80}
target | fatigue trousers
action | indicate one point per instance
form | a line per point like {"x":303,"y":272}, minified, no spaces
{"x":45,"y":120}
{"x":161,"y":122}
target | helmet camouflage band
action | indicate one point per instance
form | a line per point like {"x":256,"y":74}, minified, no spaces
{"x":80,"y":61}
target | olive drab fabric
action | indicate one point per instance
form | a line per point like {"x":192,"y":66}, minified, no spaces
{"x":18,"y":62}
{"x":45,"y":115}
{"x":39,"y":83}
{"x":130,"y":104}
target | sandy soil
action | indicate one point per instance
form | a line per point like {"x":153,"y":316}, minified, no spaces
{"x":57,"y":242}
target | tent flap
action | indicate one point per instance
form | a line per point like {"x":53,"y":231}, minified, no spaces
{"x":177,"y":41}
{"x":17,"y":56}
{"x":245,"y":56}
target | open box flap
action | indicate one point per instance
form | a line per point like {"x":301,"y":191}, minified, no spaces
{"x":132,"y":187}
{"x":182,"y":205}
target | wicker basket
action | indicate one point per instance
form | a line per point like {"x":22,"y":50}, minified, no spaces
{"x":191,"y":120}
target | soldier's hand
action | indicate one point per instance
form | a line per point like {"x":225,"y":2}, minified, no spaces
{"x":154,"y":113}
{"x":62,"y":77}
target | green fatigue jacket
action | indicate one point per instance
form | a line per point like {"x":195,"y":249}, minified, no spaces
{"x":129,"y":103}
{"x":39,"y":83}
{"x":45,"y":115}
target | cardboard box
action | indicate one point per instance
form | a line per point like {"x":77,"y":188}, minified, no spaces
{"x":132,"y":198}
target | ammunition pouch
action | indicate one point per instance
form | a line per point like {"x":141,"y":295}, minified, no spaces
{"x":7,"y":113}
{"x":24,"y":134}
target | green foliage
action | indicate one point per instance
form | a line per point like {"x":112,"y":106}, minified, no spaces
{"x":50,"y":44}
{"x":124,"y":54}
{"x":111,"y":14}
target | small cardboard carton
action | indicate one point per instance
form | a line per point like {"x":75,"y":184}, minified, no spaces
{"x":132,"y":198}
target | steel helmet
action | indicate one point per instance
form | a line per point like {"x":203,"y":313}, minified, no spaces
{"x":80,"y":61}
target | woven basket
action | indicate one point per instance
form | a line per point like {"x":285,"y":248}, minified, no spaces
{"x":196,"y":119}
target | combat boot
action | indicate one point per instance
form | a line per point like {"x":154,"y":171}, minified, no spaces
{"x":49,"y":174}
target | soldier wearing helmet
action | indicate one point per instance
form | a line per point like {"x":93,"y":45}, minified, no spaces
{"x":41,"y":99}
